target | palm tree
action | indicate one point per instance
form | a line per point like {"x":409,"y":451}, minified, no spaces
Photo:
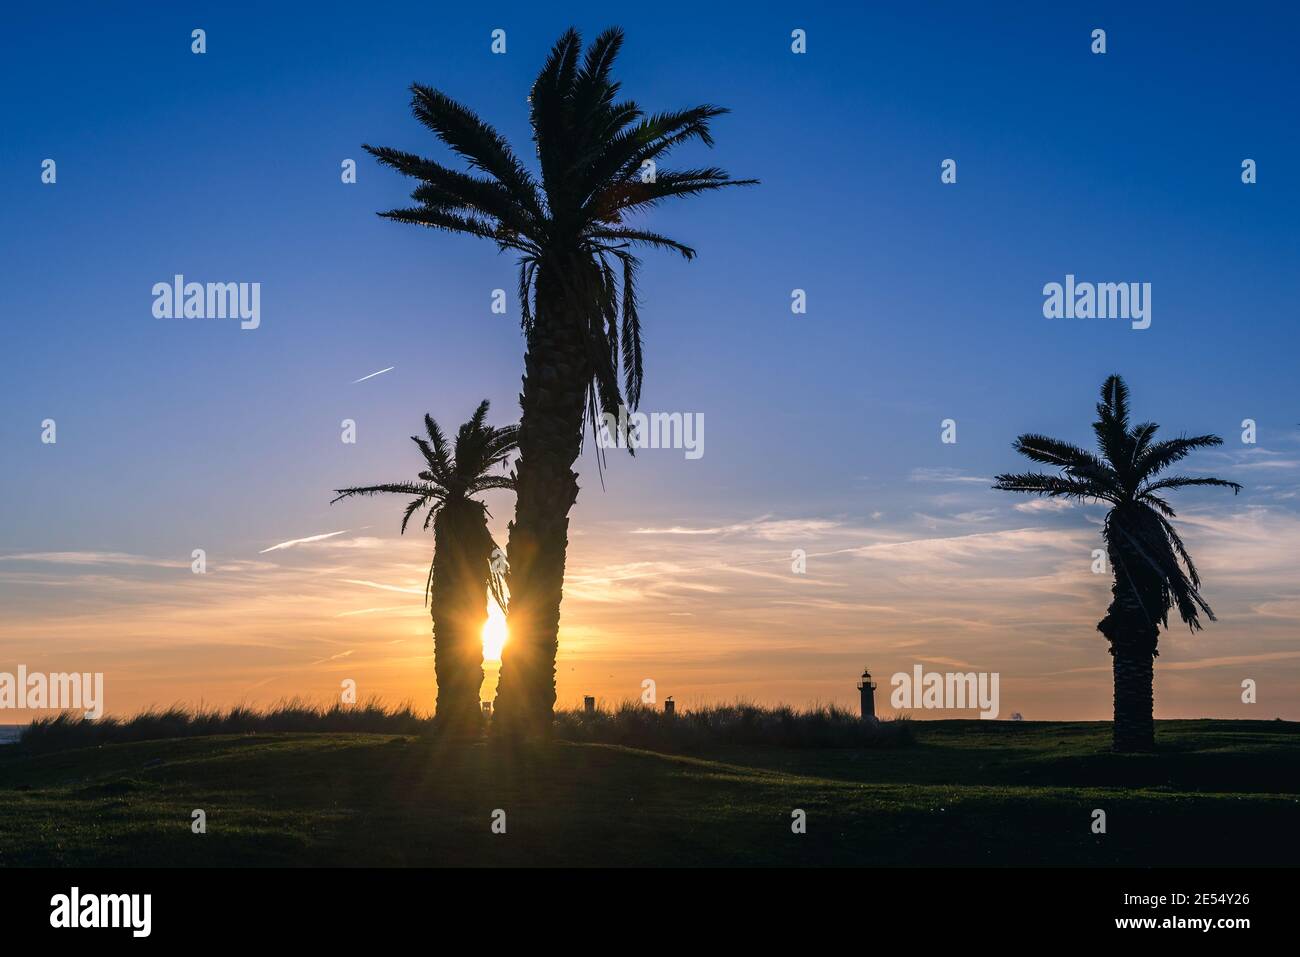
{"x":462,"y":571}
{"x":1152,"y":570}
{"x":598,"y":160}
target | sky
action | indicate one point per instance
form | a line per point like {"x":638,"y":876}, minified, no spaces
{"x":822,"y":429}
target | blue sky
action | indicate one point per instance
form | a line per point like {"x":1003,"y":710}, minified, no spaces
{"x":924,"y":299}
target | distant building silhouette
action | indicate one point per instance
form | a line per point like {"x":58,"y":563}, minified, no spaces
{"x":670,"y":708}
{"x":867,"y":688}
{"x":487,"y":707}
{"x":589,"y":704}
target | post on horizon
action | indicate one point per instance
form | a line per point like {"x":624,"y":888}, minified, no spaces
{"x":670,"y":708}
{"x":589,"y":704}
{"x":867,"y":688}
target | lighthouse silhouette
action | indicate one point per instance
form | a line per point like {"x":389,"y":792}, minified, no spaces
{"x":867,"y":688}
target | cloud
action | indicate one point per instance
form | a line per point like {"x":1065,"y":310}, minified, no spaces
{"x":1045,"y":505}
{"x":1251,"y":458}
{"x":971,"y":546}
{"x":371,"y":611}
{"x":711,"y":607}
{"x":1269,"y":464}
{"x":1224,"y":661}
{"x":1280,"y":608}
{"x":383,"y":587}
{"x":945,"y":475}
{"x":763,"y":527}
{"x":93,"y":558}
{"x":341,"y":654}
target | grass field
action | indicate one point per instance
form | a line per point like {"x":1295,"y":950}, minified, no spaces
{"x":964,"y":793}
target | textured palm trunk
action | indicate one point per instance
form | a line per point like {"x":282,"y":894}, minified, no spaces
{"x":1134,"y":705}
{"x":459,"y":607}
{"x":556,"y":373}
{"x":1133,"y":630}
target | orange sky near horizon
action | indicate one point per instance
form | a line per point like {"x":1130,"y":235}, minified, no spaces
{"x":710,"y":614}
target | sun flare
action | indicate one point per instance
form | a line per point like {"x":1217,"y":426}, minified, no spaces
{"x":495,"y":633}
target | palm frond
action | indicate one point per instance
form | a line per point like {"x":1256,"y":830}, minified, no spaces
{"x":1114,"y":401}
{"x":395,"y":488}
{"x":633,"y":373}
{"x":455,"y":223}
{"x":1148,"y":554}
{"x":1182,"y":481}
{"x":593,"y":90}
{"x":475,"y":141}
{"x":447,"y":190}
{"x":635,"y":196}
{"x":1077,"y":461}
{"x":1160,"y":456}
{"x":489,"y":482}
{"x":551,"y":116}
{"x":1053,"y":486}
{"x":645,"y":237}
{"x":1142,"y":436}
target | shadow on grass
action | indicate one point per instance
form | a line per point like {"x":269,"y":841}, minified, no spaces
{"x":376,"y":800}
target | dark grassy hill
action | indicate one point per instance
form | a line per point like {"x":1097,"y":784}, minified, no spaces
{"x":964,"y":793}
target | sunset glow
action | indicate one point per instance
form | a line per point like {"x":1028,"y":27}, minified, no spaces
{"x":826,"y":524}
{"x":495,"y":633}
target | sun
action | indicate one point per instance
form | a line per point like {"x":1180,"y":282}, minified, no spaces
{"x":495,"y":633}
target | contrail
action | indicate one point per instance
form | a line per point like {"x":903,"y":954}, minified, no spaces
{"x":373,"y":374}
{"x":407,"y":591}
{"x":301,"y":541}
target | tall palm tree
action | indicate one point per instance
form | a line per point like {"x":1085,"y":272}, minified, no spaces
{"x":599,"y":164}
{"x":462,"y":572}
{"x":1151,"y":568}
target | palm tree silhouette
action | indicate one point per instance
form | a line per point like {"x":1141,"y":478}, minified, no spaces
{"x":1152,"y":570}
{"x":463,"y":570}
{"x":598,"y":161}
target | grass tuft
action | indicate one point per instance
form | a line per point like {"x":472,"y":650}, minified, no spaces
{"x":69,"y":730}
{"x":637,"y":725}
{"x":629,"y":723}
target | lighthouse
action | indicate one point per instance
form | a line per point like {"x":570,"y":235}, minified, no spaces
{"x":867,"y":688}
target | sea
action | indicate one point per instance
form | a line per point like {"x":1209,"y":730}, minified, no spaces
{"x":9,"y":732}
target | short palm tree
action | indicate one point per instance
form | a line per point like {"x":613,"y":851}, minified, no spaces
{"x":598,"y":160}
{"x":1151,"y":568}
{"x":462,"y":572}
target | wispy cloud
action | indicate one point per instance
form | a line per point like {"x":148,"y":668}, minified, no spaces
{"x":1251,"y":458}
{"x":709,"y":608}
{"x":383,"y":587}
{"x":763,"y":527}
{"x":945,"y":474}
{"x":341,"y":654}
{"x":92,"y":558}
{"x":1045,"y":505}
{"x":1277,"y":464}
{"x":371,"y":611}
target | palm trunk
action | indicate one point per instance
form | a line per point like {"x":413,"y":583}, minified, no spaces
{"x":459,"y":609}
{"x":1134,"y":724}
{"x":556,"y":374}
{"x":1132,"y":627}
